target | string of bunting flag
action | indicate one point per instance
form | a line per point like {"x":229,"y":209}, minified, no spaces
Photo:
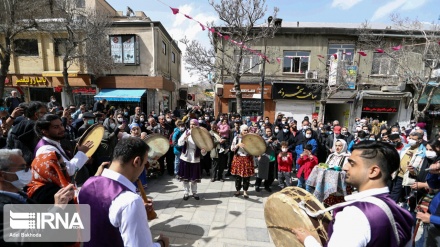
{"x":176,"y":11}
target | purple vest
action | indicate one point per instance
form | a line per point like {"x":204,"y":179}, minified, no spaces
{"x":66,"y":154}
{"x":99,"y":193}
{"x":382,"y":233}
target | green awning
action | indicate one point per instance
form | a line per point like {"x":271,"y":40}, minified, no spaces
{"x":435,"y":98}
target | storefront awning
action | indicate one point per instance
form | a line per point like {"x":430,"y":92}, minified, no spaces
{"x":125,"y":95}
{"x":435,"y":98}
{"x":371,"y":94}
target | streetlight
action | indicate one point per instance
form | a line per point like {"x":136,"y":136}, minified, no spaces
{"x":269,"y":20}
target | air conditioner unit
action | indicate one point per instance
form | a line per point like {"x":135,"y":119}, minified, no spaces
{"x":435,"y":73}
{"x":311,"y":74}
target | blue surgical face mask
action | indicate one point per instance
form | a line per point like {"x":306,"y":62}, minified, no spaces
{"x":90,"y":122}
{"x":285,"y":130}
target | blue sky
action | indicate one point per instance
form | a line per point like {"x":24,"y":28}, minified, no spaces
{"x":352,"y":11}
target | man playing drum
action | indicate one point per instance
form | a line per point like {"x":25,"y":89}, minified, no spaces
{"x":370,"y":217}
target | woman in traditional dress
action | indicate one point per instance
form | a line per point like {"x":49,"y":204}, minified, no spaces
{"x":242,"y":164}
{"x":339,"y":157}
{"x":189,"y":166}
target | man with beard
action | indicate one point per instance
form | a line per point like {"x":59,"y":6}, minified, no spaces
{"x":165,"y":129}
{"x":379,"y":221}
{"x":137,"y":113}
{"x":51,"y":131}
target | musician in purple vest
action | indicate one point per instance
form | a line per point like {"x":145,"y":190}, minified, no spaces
{"x":369,"y":217}
{"x":118,"y":214}
{"x":51,"y":131}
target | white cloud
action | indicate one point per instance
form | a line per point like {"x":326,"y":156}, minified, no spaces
{"x":387,"y":9}
{"x":392,"y":6}
{"x":345,"y":4}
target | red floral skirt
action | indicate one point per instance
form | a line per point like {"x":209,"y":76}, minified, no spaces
{"x":243,"y":166}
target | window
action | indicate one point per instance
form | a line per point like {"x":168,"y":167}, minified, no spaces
{"x":296,"y":61}
{"x":250,"y":62}
{"x":383,"y":65}
{"x":345,"y":51}
{"x":124,"y":49}
{"x":60,"y":47}
{"x":164,"y":48}
{"x":173,"y":57}
{"x":26,"y":47}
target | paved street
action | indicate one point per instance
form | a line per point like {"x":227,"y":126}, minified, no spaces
{"x":218,"y":219}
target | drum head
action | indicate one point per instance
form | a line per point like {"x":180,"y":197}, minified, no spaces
{"x":282,"y":210}
{"x":93,"y":133}
{"x":158,"y":144}
{"x":202,"y":138}
{"x":254,"y":144}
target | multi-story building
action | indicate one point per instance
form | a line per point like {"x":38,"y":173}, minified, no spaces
{"x":148,"y":71}
{"x":319,"y":70}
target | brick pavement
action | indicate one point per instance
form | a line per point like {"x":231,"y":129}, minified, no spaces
{"x":218,"y":219}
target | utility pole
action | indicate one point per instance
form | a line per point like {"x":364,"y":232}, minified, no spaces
{"x":263,"y":71}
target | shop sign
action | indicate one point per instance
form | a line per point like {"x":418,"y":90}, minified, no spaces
{"x":32,"y":81}
{"x":84,"y":90}
{"x":58,"y":89}
{"x":350,"y":76}
{"x":296,"y":91}
{"x":379,"y":109}
{"x":248,"y":91}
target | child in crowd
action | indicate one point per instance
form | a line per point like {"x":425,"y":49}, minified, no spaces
{"x":306,"y":162}
{"x":285,"y":161}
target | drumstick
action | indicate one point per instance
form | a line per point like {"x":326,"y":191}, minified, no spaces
{"x":151,"y":214}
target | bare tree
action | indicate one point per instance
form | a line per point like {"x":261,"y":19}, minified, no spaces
{"x":81,"y":36}
{"x":17,"y":17}
{"x":241,"y":22}
{"x":412,"y":59}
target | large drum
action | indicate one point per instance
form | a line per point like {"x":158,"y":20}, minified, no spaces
{"x":94,"y":133}
{"x":254,"y":144}
{"x":202,"y":138}
{"x":283,"y":213}
{"x":158,"y":144}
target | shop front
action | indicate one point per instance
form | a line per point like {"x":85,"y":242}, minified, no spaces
{"x":296,"y":100}
{"x":251,"y":100}
{"x":390,"y":107}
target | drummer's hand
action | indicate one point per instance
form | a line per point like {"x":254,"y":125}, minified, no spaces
{"x":66,"y":113}
{"x":165,"y":240}
{"x":241,"y":144}
{"x":101,"y":168}
{"x":424,"y":217}
{"x":85,"y":147}
{"x":203,"y":150}
{"x":149,"y":205}
{"x":301,"y":234}
{"x":64,"y":195}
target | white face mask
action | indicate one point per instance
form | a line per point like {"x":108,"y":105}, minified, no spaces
{"x":358,"y":129}
{"x":394,"y":133}
{"x":412,"y":142}
{"x":305,"y":127}
{"x":367,"y":132}
{"x":431,"y":154}
{"x":285,"y":130}
{"x":206,"y":118}
{"x":283,"y":122}
{"x":372,"y":139}
{"x":112,"y":125}
{"x":182,"y":128}
{"x":308,"y":135}
{"x":120,"y":119}
{"x":169,"y":120}
{"x":140,"y":119}
{"x":266,"y":121}
{"x":344,"y":132}
{"x":23,"y":178}
{"x":284,"y":149}
{"x":54,"y":100}
{"x":277,"y":130}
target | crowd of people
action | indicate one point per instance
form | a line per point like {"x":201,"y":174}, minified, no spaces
{"x":38,"y":161}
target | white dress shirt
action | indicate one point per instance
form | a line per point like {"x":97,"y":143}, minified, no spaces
{"x":351,"y":227}
{"x":127,"y":212}
{"x":73,"y":165}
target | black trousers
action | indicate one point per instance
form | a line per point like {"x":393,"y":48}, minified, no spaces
{"x":238,"y":183}
{"x":267,"y":182}
{"x":218,"y":166}
{"x":170,"y":156}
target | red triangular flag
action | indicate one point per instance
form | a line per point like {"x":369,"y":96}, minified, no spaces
{"x":226,"y":37}
{"x":396,"y":48}
{"x":175,"y":10}
{"x":362,"y":53}
{"x":219,"y":34}
{"x":187,"y":16}
{"x":212,"y":30}
{"x":320,"y":56}
{"x":379,"y":50}
{"x":278,"y":60}
{"x":203,"y":27}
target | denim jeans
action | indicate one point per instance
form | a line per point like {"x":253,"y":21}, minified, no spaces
{"x":176,"y":164}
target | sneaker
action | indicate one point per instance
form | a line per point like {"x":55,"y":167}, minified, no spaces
{"x":212,"y":179}
{"x":185,"y":197}
{"x":196,"y":197}
{"x":221,"y":150}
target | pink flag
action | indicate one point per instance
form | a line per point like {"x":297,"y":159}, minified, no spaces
{"x":396,"y":48}
{"x":379,"y":50}
{"x":212,"y":30}
{"x":175,"y":10}
{"x":348,"y":53}
{"x":278,"y":60}
{"x":362,"y":53}
{"x":219,"y":34}
{"x":187,"y":16}
{"x":203,"y":27}
{"x":226,"y":37}
{"x":320,"y":56}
